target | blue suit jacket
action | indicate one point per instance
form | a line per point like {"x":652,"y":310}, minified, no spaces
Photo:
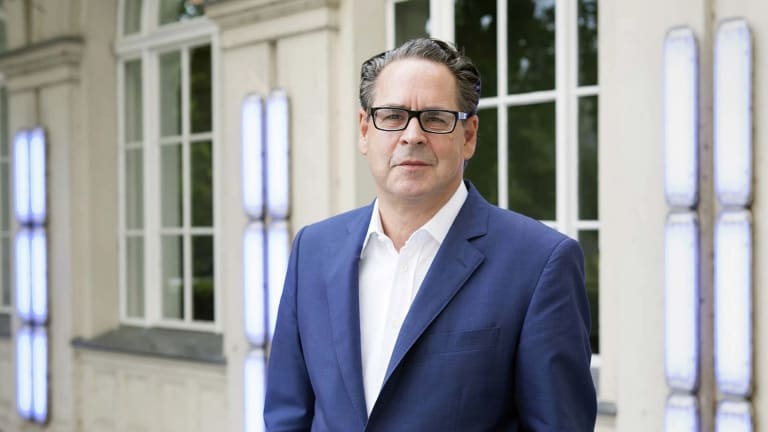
{"x":497,"y":337}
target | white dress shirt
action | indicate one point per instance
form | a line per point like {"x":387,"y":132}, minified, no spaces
{"x":389,"y":282}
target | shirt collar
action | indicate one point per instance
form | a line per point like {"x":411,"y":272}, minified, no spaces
{"x":437,"y":227}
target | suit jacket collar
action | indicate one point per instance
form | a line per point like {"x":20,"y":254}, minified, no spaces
{"x":455,"y":262}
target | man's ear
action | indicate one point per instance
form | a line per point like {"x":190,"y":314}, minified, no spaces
{"x":470,"y":136}
{"x":362,"y":142}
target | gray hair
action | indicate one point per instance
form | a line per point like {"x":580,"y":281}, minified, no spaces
{"x":462,"y":68}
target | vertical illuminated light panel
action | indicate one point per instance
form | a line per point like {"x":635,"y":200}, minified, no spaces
{"x":254,"y":377}
{"x":681,"y":293}
{"x":31,"y":258}
{"x":733,"y":113}
{"x":253,"y":278}
{"x":733,"y":303}
{"x":681,"y":141}
{"x":278,"y":183}
{"x":682,"y":414}
{"x":733,"y":417}
{"x":252,"y":148}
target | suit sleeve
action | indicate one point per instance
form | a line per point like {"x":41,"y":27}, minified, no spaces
{"x":553,"y":382}
{"x":289,"y":401}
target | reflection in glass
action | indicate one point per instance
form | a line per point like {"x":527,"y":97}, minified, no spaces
{"x":173,"y":277}
{"x":5,"y":270}
{"x":532,"y":160}
{"x":587,"y":42}
{"x":588,"y":158}
{"x":475,"y":22}
{"x":201,"y":161}
{"x":134,"y":189}
{"x":483,"y":169}
{"x":202,"y":278}
{"x":180,"y":10}
{"x":134,"y":277}
{"x":200,"y":88}
{"x":171,"y":192}
{"x":170,"y":94}
{"x":132,"y":17}
{"x":590,"y":244}
{"x":531,"y":46}
{"x":411,"y":20}
{"x":134,"y":124}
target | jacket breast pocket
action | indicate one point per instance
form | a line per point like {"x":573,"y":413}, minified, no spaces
{"x":464,"y":340}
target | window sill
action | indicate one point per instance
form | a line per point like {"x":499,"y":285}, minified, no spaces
{"x":187,"y":345}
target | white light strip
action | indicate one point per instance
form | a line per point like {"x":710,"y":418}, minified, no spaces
{"x":254,"y":389}
{"x":37,"y":191}
{"x":682,"y":414}
{"x":681,"y":157}
{"x":733,"y":303}
{"x":21,"y":185}
{"x":39,"y":275}
{"x":40,"y":375}
{"x":681,"y":308}
{"x":24,"y":372}
{"x":23,"y":260}
{"x":277,"y":263}
{"x":733,"y":416}
{"x":252,"y":148}
{"x":733,"y":113}
{"x":253,"y":283}
{"x":278,"y":162}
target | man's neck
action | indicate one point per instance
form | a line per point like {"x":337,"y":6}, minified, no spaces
{"x":401,"y":218}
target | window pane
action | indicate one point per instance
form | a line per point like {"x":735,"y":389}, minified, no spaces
{"x":201,"y":161}
{"x":200,"y":89}
{"x":531,"y":45}
{"x":4,"y":131}
{"x":3,"y":35}
{"x":5,"y":270}
{"x":589,"y":242}
{"x":170,"y":94}
{"x":202,"y":278}
{"x":134,"y":189}
{"x":173,"y":277}
{"x":171,"y":186}
{"x":132,"y":17}
{"x":5,"y":196}
{"x":180,"y":10}
{"x":483,"y":169}
{"x":134,"y":123}
{"x":475,"y":22}
{"x":134,"y":277}
{"x":532,"y":160}
{"x":588,"y":157}
{"x":587,"y":42}
{"x":411,"y":20}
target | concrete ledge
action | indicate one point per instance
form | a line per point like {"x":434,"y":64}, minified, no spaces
{"x":186,"y":345}
{"x":65,"y":50}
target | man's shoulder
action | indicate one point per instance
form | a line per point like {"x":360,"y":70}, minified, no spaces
{"x":521,"y":228}
{"x":339,"y":224}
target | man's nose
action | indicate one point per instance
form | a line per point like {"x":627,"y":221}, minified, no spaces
{"x":413,"y":133}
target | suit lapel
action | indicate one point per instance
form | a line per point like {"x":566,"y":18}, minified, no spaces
{"x":344,"y":308}
{"x":454,"y":263}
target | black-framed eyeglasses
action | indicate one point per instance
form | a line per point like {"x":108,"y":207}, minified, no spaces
{"x":432,"y":121}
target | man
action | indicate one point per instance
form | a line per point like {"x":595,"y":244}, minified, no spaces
{"x":429,"y":310}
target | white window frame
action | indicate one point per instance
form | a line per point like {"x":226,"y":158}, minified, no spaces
{"x":147,"y":45}
{"x":565,"y":95}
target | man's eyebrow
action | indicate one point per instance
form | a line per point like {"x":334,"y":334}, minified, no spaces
{"x":427,"y":108}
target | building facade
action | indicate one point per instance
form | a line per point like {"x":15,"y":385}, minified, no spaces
{"x":152,"y":321}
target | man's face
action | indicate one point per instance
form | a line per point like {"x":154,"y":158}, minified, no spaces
{"x":412,"y":165}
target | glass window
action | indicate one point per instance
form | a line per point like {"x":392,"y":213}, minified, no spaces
{"x":543,"y":160}
{"x":589,"y":240}
{"x":179,"y":10}
{"x":411,"y":20}
{"x":5,"y":206}
{"x":166,"y":176}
